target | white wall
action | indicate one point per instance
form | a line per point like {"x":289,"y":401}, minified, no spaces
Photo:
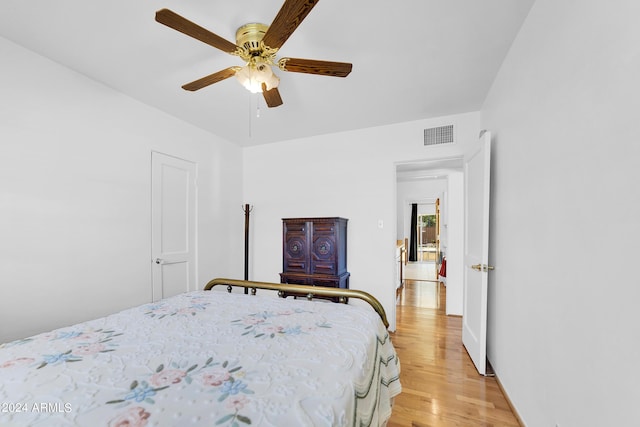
{"x":564,"y":332}
{"x":75,"y":168}
{"x":350,"y":174}
{"x":454,"y":231}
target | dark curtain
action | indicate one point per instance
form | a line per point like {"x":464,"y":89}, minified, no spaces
{"x":413,"y":237}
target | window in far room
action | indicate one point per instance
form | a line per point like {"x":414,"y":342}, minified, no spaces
{"x":427,"y":237}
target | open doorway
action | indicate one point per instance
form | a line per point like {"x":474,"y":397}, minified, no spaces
{"x":438,"y":184}
{"x":421,"y":286}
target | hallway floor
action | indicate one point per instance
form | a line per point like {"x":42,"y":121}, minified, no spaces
{"x":423,"y":271}
{"x":440,"y":385}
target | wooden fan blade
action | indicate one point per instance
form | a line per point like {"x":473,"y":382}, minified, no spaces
{"x":291,"y":14}
{"x":312,"y":66}
{"x":210,"y":79}
{"x":177,"y":22}
{"x":271,"y":97}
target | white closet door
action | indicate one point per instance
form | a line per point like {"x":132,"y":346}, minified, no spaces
{"x":173,"y":223}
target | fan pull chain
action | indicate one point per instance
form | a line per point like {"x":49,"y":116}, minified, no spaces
{"x":250,"y":118}
{"x":253,"y":97}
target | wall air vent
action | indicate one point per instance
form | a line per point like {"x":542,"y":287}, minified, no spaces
{"x":438,"y":135}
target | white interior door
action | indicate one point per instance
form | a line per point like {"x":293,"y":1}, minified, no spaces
{"x":173,"y":223}
{"x":474,"y":311}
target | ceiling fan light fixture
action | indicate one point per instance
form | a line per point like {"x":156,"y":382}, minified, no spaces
{"x":257,"y":45}
{"x":253,"y":75}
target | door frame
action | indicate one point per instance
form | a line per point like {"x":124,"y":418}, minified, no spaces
{"x":449,"y":167}
{"x":156,"y":268}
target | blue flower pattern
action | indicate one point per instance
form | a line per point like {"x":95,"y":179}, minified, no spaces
{"x":143,"y":391}
{"x":52,"y":359}
{"x":162,"y":310}
{"x":65,"y":335}
{"x":262,"y":325}
{"x":232,"y":387}
{"x":96,"y":337}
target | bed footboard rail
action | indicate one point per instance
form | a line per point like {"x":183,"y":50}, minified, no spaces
{"x":310,"y":291}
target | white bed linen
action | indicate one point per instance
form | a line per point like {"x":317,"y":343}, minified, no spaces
{"x":206,"y":358}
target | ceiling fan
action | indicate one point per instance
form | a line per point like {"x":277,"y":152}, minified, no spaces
{"x":257,"y":45}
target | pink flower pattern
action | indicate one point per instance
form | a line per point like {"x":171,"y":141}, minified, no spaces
{"x":263,"y":324}
{"x":161,"y":310}
{"x":223,"y":378}
{"x":82,"y":343}
{"x":89,"y":349}
{"x":132,"y":417}
{"x":18,"y":362}
{"x":215,"y":377}
{"x":167,"y":377}
{"x":236,"y":403}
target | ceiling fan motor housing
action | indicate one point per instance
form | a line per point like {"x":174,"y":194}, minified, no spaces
{"x":249,"y":36}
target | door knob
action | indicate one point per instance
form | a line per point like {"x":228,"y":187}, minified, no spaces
{"x":482,"y":267}
{"x":158,"y":261}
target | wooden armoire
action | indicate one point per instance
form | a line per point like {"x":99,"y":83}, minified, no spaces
{"x":314,"y":252}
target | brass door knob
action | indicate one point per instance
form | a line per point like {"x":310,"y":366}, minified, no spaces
{"x":482,"y":267}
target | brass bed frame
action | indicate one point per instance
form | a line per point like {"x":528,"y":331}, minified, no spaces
{"x":310,"y":292}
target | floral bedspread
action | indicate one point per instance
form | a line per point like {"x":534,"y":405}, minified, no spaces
{"x":206,"y":358}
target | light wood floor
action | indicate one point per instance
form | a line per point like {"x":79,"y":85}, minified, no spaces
{"x":440,"y":386}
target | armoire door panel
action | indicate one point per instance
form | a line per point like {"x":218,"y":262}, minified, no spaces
{"x":296,"y":253}
{"x":314,"y":252}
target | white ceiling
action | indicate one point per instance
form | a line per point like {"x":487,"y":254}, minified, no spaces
{"x":412,"y":59}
